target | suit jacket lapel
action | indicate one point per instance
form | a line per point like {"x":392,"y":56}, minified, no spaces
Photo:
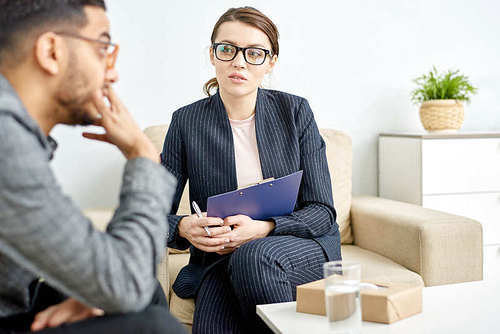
{"x":224,"y":128}
{"x":265,"y":134}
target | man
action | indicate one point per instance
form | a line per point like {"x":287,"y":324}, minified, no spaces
{"x":56,"y":67}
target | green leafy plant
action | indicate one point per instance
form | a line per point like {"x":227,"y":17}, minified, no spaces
{"x":450,"y":85}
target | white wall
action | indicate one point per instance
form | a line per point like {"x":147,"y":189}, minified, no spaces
{"x":354,"y":61}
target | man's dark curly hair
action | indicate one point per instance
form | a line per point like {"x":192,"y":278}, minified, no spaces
{"x":19,"y":19}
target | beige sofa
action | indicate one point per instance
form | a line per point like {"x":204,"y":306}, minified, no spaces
{"x":394,"y":241}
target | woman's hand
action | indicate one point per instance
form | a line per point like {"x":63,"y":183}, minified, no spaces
{"x":192,"y":228}
{"x":245,"y":229}
{"x":68,"y":311}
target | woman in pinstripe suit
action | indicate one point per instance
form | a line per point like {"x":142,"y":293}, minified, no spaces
{"x":239,"y":135}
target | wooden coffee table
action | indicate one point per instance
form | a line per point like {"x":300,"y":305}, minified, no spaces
{"x":472,"y":307}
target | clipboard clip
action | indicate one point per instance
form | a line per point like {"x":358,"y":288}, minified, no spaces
{"x":256,"y":183}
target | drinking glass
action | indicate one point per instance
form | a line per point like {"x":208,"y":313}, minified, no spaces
{"x":342,"y":300}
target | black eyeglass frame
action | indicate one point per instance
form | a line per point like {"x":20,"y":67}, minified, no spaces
{"x":243,"y":51}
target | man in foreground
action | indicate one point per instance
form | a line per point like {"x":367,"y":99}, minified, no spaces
{"x":56,"y":67}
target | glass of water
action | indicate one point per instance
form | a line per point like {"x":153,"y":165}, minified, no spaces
{"x":342,"y":300}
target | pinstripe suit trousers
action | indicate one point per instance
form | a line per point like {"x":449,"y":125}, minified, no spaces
{"x":262,"y":271}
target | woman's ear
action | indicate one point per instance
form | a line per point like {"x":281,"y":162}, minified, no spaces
{"x":49,"y":53}
{"x":272,"y":62}
{"x":212,"y":58}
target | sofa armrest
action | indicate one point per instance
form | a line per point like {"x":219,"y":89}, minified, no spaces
{"x":100,"y":219}
{"x":441,"y":247}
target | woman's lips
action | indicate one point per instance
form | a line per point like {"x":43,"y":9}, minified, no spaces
{"x":237,"y":78}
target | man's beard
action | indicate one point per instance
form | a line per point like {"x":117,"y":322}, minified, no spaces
{"x":78,"y":115}
{"x":74,"y":99}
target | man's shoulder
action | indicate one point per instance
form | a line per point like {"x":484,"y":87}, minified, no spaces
{"x":16,"y":137}
{"x":9,"y":122}
{"x":9,"y":125}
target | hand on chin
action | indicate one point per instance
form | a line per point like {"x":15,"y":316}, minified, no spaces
{"x":87,"y":115}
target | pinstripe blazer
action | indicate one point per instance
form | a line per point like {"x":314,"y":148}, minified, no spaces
{"x":199,"y":147}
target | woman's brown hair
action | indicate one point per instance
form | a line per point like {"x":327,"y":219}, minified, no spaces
{"x":250,"y":16}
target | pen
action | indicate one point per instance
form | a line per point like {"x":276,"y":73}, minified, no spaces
{"x":198,"y":212}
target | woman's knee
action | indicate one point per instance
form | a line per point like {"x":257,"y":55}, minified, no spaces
{"x":254,"y":259}
{"x":253,"y":254}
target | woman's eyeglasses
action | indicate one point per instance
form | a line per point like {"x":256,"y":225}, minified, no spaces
{"x":111,"y":49}
{"x":252,"y":55}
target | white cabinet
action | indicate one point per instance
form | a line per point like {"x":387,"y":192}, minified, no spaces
{"x":455,"y":173}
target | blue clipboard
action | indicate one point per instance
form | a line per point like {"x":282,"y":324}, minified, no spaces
{"x":260,"y":201}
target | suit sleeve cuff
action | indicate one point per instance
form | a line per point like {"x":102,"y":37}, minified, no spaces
{"x":174,"y":239}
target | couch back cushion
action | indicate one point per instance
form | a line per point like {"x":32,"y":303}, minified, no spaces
{"x":339,"y":155}
{"x":157,"y":135}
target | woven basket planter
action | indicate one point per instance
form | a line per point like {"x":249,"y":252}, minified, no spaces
{"x":442,"y":115}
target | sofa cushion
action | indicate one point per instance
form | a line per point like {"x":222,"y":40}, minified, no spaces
{"x":182,"y":309}
{"x":157,"y":135}
{"x":339,"y":156}
{"x":379,"y":268}
{"x":176,"y":263}
{"x":99,"y":217}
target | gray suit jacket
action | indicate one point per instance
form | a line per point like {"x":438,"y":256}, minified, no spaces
{"x":199,"y":147}
{"x":44,"y":234}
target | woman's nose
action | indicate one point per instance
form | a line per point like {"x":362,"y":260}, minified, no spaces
{"x":239,"y":60}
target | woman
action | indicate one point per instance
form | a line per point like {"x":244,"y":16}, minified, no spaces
{"x":238,"y":136}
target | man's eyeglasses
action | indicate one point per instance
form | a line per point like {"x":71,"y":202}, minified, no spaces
{"x":252,"y":55}
{"x":111,"y":49}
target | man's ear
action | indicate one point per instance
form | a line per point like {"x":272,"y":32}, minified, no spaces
{"x":272,"y":62}
{"x":211,"y":54}
{"x":49,"y":52}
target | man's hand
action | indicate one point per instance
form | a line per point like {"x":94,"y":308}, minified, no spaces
{"x":120,"y":128}
{"x":68,"y":311}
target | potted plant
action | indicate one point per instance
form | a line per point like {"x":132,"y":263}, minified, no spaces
{"x":441,"y":97}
